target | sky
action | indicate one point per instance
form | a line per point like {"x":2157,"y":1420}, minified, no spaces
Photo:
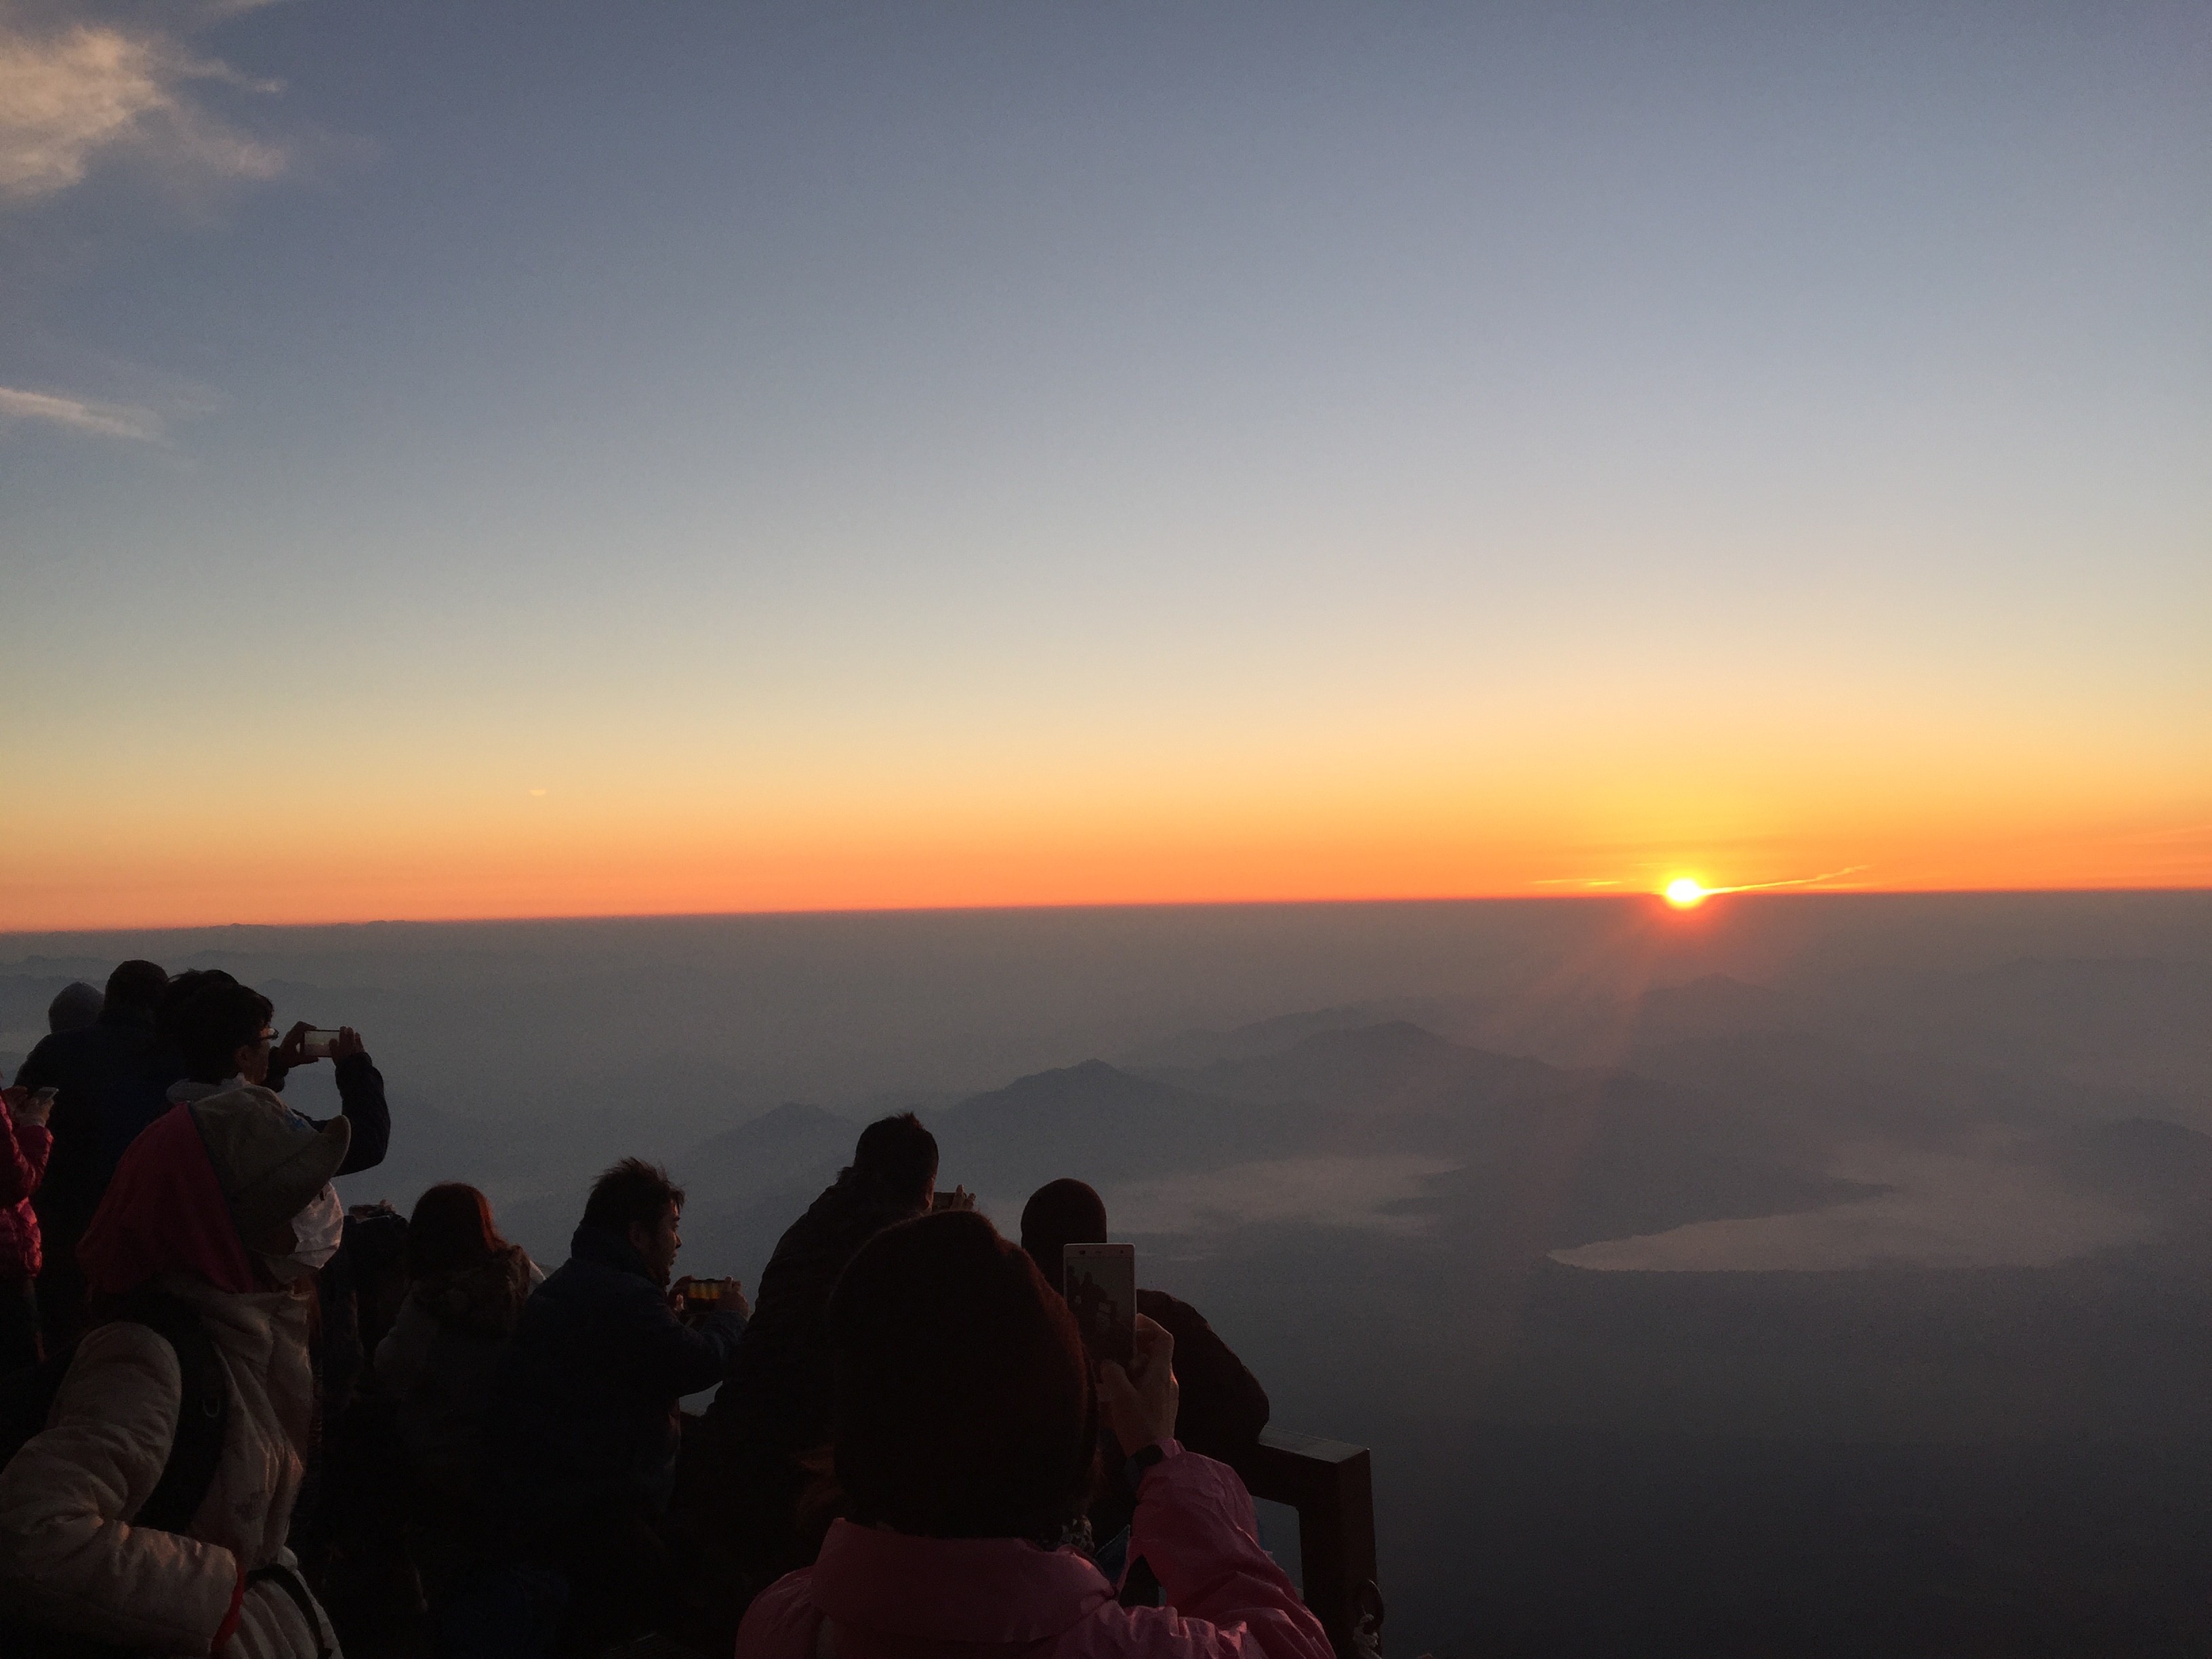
{"x":508,"y":460}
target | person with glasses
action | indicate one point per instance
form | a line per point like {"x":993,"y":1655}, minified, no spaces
{"x":226,"y":1037}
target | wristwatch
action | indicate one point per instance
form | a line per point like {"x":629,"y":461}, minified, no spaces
{"x":1140,"y":1460}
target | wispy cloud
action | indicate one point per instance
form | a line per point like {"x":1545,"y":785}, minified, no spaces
{"x":108,"y":420}
{"x":74,"y":94}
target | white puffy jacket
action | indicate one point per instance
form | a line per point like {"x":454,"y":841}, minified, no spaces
{"x":68,"y":1556}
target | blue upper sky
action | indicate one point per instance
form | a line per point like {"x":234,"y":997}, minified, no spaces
{"x":997,"y":383}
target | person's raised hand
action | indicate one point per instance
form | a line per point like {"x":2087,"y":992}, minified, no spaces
{"x":347,"y":1044}
{"x":677,"y":1304}
{"x":733,"y":1299}
{"x":958,"y":1199}
{"x":292,"y":1051}
{"x":35,"y":1107}
{"x":1140,"y":1402}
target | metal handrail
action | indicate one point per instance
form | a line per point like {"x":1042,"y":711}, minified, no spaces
{"x":1331,"y":1486}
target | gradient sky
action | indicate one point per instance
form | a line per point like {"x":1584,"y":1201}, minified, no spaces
{"x":511,"y":459}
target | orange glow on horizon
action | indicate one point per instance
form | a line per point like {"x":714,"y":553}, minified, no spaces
{"x":313,"y":873}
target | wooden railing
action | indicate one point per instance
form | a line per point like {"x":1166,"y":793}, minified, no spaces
{"x":1331,"y":1486}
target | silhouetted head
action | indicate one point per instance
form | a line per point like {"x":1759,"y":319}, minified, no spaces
{"x":636,"y":1201}
{"x":177,"y":996}
{"x":223,"y":1031}
{"x":963,"y":1406}
{"x":1061,"y":1213}
{"x":75,"y":1006}
{"x":451,"y":1229}
{"x":137,"y":984}
{"x":898,"y":1156}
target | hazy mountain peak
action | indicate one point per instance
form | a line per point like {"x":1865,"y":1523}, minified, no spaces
{"x":794,"y":1131}
{"x":1389,"y":1038}
{"x":1088,"y":1085}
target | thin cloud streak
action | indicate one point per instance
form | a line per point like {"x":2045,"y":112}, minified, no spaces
{"x":107,"y":420}
{"x":71,"y":96}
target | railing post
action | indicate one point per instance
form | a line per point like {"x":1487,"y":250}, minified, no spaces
{"x":1331,"y":1484}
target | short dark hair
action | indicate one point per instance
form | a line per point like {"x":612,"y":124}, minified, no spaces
{"x":631,"y":1191}
{"x":898,"y":1155}
{"x":1061,"y":1213}
{"x":177,"y":996}
{"x":216,"y":1024}
{"x":137,"y":984}
{"x":451,"y":1228}
{"x":962,"y":1404}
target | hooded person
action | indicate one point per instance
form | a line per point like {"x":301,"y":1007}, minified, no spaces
{"x":75,"y":1006}
{"x":440,"y":1364}
{"x":110,"y":1080}
{"x":214,"y":1217}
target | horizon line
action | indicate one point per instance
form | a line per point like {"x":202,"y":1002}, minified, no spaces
{"x":1617,"y":896}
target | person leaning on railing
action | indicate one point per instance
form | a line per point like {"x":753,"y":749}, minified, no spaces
{"x":966,"y":1425}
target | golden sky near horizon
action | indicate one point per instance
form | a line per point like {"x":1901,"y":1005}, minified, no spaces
{"x":744,"y":461}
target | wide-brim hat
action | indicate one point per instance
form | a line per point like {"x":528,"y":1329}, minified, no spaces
{"x":269,"y":1162}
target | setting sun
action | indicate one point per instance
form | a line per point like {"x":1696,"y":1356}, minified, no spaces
{"x":1683,"y":892}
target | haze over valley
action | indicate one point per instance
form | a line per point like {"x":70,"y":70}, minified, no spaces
{"x":1802,"y":1272}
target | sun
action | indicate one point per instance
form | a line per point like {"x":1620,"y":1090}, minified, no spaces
{"x":1685,"y":892}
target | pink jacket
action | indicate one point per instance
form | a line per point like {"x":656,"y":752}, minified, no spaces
{"x":884,"y":1592}
{"x":23,"y":1149}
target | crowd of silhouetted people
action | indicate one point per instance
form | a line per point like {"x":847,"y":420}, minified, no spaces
{"x":239,"y":1418}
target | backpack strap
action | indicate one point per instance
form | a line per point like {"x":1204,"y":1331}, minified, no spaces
{"x":203,"y":1413}
{"x":288,"y":1580}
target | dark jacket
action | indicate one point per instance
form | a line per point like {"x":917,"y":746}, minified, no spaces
{"x":440,"y":1363}
{"x":587,"y":1413}
{"x":113,"y":1076}
{"x":361,"y":1103}
{"x":1221,"y":1414}
{"x":1222,"y":1407}
{"x":779,"y":1387}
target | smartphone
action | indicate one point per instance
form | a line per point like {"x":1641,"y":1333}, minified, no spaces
{"x":1101,"y":1291}
{"x":318,"y":1045}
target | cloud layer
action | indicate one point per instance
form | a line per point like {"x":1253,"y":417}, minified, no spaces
{"x":72,"y":95}
{"x":1943,"y":1210}
{"x":109,"y":420}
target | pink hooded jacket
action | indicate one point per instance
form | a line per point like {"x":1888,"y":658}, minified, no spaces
{"x":873,"y":1594}
{"x":23,"y":1150}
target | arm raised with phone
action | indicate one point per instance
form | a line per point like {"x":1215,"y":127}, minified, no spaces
{"x":361,"y":1085}
{"x":1140,"y":1402}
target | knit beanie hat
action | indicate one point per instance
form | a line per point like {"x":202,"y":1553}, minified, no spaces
{"x":75,"y":1006}
{"x":270,"y":1164}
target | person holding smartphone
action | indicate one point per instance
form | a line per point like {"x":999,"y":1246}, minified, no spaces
{"x":25,"y":1145}
{"x":966,"y":1418}
{"x":223,"y":1032}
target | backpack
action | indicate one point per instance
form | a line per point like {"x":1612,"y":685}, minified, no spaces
{"x":202,"y":1416}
